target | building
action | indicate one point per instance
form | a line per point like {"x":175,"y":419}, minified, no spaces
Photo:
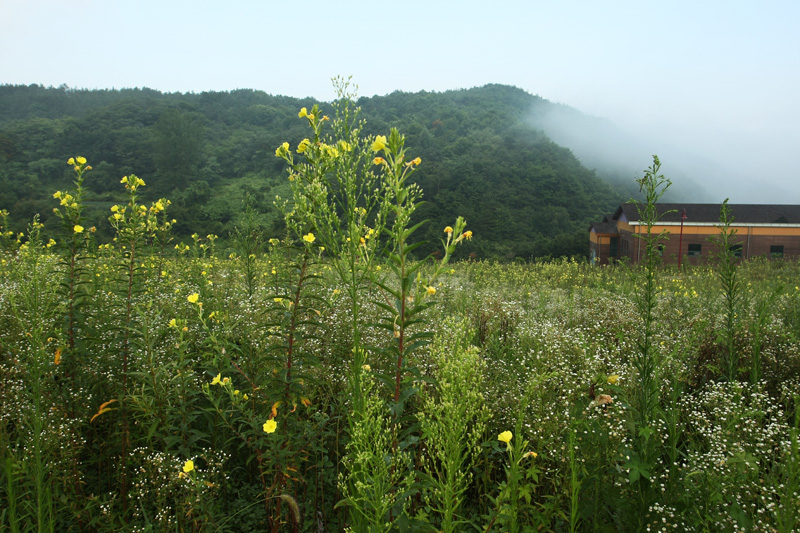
{"x":762,"y":231}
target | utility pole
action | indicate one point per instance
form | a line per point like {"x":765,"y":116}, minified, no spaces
{"x":680,"y":241}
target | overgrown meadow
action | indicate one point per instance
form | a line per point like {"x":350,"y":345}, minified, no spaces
{"x":330,"y":380}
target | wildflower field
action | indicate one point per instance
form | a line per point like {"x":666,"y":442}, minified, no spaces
{"x":330,"y":380}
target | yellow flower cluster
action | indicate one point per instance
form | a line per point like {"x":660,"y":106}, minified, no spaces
{"x":330,"y":151}
{"x":67,"y":200}
{"x":132,"y":182}
{"x":77,"y":163}
{"x":219,"y":380}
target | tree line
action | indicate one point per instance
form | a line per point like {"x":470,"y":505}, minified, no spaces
{"x":524,"y":196}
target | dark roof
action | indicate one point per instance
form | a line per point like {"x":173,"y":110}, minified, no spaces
{"x":709,"y":213}
{"x":604,"y":227}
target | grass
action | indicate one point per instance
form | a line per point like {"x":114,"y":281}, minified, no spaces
{"x":721,"y":447}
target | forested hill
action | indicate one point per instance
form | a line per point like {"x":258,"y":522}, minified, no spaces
{"x":523,"y":196}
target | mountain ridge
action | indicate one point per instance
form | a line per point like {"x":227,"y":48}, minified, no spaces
{"x":523,"y":195}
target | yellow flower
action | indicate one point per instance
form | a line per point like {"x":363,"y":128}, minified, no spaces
{"x":366,"y":367}
{"x":309,"y":238}
{"x":303,"y":146}
{"x":270,"y":426}
{"x":77,"y":228}
{"x":378,"y":161}
{"x":417,"y":161}
{"x":81,"y":160}
{"x":226,"y":380}
{"x":379,"y":143}
{"x":531,"y":454}
{"x":188,"y":466}
{"x":612,"y":380}
{"x":193,"y":298}
{"x":57,"y":195}
{"x":431,"y":291}
{"x":303,"y":113}
{"x":448,"y":229}
{"x":71,"y":161}
{"x":173,"y":323}
{"x":505,"y":436}
{"x":468,"y":235}
{"x":282,"y":149}
{"x":124,"y":179}
{"x":217,"y":379}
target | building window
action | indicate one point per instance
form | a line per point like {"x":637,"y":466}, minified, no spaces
{"x":612,"y":248}
{"x":695,"y":250}
{"x":776,"y":251}
{"x":737,"y":250}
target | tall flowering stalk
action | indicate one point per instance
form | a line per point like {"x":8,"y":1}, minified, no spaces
{"x":352,"y":193}
{"x":337,"y":197}
{"x":76,"y":238}
{"x":647,"y":359}
{"x":727,"y":273}
{"x":133,"y":223}
{"x":407,"y":294}
{"x":72,"y":220}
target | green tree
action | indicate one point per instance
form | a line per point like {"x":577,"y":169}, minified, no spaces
{"x":180,"y":145}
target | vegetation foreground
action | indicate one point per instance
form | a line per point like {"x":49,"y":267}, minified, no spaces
{"x":329,"y":380}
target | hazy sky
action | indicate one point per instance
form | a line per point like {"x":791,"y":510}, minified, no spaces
{"x":721,"y":78}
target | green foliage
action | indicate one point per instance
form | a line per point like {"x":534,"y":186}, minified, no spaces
{"x":485,"y":160}
{"x":727,"y":273}
{"x":295,"y":386}
{"x":452,"y":422}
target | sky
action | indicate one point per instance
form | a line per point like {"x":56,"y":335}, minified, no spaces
{"x":718,"y":80}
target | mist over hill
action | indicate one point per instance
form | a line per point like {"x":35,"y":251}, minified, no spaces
{"x":491,"y":154}
{"x":617,"y":155}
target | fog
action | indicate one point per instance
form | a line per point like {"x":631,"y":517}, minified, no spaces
{"x":703,"y":167}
